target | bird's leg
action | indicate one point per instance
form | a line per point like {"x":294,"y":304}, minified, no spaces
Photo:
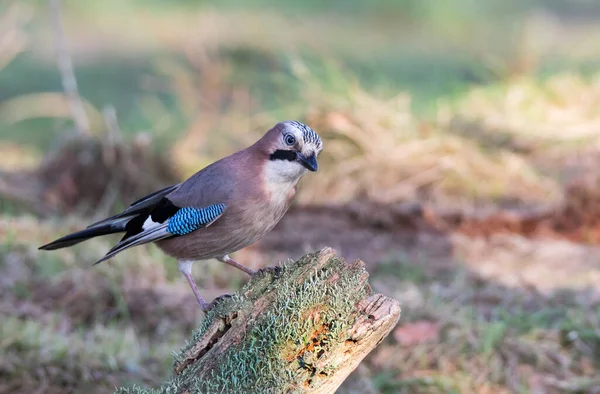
{"x":185,"y":267}
{"x":228,"y":260}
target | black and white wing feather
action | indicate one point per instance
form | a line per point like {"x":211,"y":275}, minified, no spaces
{"x":183,"y":221}
{"x":137,"y":207}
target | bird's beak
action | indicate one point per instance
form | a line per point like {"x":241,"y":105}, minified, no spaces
{"x":309,"y":162}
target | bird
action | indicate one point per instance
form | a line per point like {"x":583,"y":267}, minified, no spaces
{"x":224,"y":207}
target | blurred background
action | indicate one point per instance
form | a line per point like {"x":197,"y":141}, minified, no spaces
{"x":462,"y":145}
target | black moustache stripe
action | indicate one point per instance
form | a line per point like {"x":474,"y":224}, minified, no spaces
{"x":281,"y":154}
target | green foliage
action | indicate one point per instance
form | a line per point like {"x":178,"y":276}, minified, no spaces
{"x":44,"y":345}
{"x":491,"y":336}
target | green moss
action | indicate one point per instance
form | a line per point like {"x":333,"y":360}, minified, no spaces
{"x":307,"y":320}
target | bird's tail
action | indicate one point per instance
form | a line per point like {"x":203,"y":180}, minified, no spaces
{"x":117,"y":226}
{"x":130,"y":219}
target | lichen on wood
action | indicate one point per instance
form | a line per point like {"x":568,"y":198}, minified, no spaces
{"x":301,"y":327}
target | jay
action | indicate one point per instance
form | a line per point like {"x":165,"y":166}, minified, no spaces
{"x":219,"y":210}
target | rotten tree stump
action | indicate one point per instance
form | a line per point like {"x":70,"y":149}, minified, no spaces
{"x":302,"y":327}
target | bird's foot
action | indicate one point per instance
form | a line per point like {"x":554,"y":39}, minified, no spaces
{"x":214,"y":302}
{"x":205,"y":306}
{"x":274,"y":270}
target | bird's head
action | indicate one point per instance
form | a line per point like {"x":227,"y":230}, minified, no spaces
{"x":292,"y":148}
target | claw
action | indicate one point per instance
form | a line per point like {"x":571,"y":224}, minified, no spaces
{"x":218,"y":299}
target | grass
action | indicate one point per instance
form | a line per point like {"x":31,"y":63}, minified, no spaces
{"x":484,"y":346}
{"x":73,"y":327}
{"x":384,"y":57}
{"x":407,"y":112}
{"x":117,"y":324}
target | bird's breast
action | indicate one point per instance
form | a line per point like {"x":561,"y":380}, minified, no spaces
{"x":280,"y":196}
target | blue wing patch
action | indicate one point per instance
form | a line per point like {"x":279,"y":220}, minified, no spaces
{"x":189,"y":219}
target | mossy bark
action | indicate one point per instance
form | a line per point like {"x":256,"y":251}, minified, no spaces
{"x":302,"y":327}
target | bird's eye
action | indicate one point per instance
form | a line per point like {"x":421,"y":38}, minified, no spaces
{"x":290,"y":139}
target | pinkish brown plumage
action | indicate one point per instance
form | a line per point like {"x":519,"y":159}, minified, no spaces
{"x":222,"y":208}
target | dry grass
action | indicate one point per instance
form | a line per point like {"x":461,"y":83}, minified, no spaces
{"x":504,"y":145}
{"x":381,"y":151}
{"x":375,"y":149}
{"x":487,"y":338}
{"x":550,"y":117}
{"x":476,"y":150}
{"x":485,"y":146}
{"x":13,"y":18}
{"x":216,"y":113}
{"x":15,"y":156}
